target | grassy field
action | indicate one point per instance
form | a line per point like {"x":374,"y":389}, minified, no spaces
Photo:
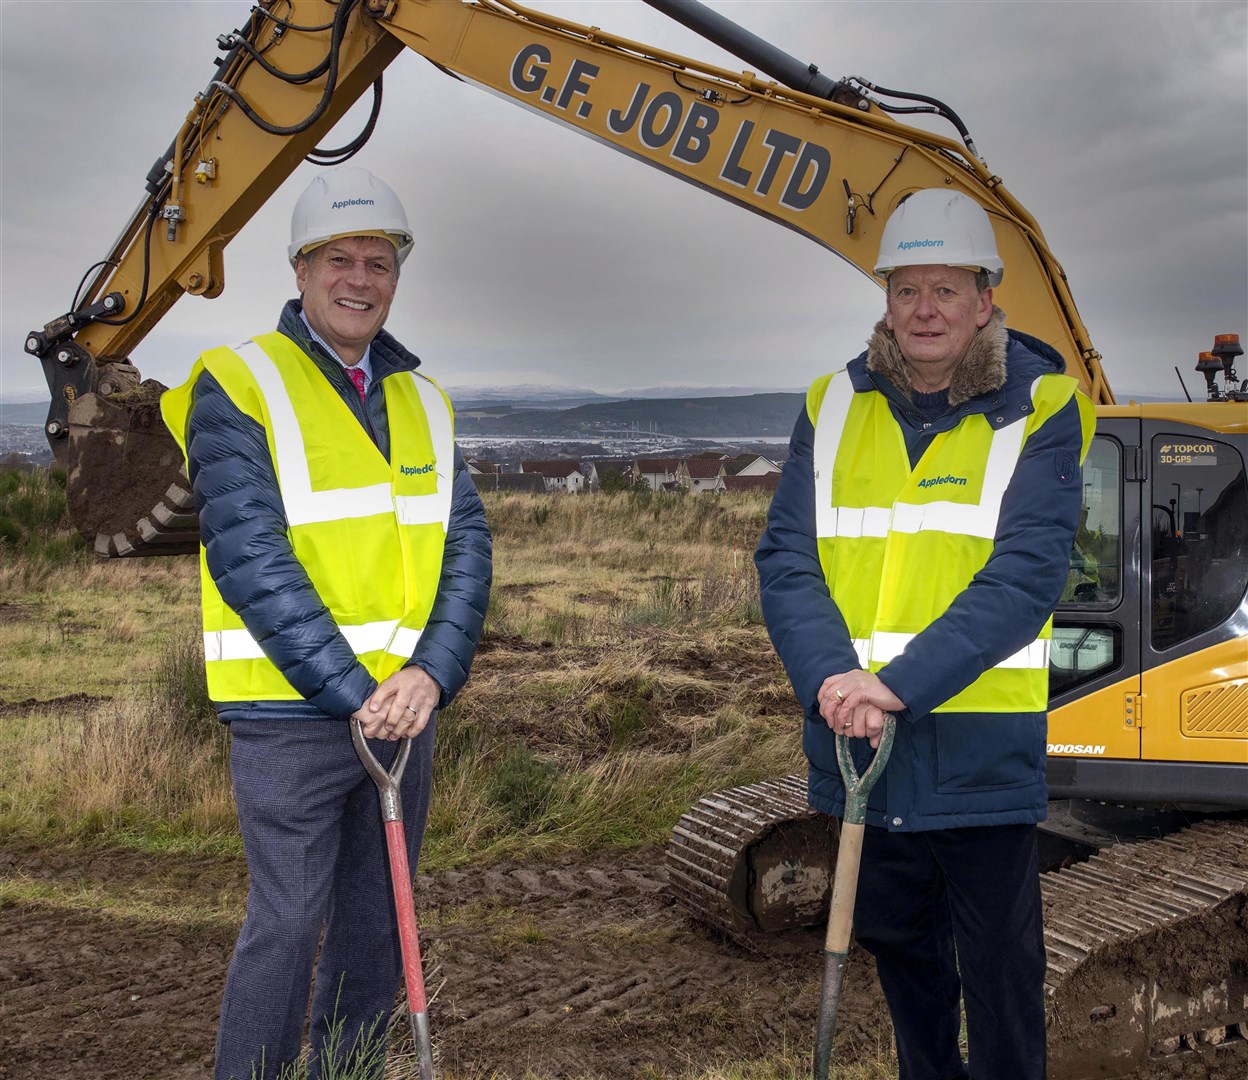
{"x":591,"y":725}
{"x":624,"y":673}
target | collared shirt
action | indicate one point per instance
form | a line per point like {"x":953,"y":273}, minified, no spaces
{"x":363,"y":364}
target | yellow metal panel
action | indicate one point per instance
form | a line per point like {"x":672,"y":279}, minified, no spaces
{"x":1100,"y":724}
{"x":1194,"y":708}
{"x":1218,"y":711}
{"x":1228,"y":417}
{"x":1197,"y":706}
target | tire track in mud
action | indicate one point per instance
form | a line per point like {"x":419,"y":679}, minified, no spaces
{"x":586,"y":968}
{"x":579,"y":966}
{"x":85,"y":995}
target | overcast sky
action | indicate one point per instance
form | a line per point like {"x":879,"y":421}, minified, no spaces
{"x":1122,"y":127}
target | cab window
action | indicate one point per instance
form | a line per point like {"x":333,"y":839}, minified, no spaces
{"x":1095,"y":575}
{"x":1199,"y":556}
{"x":1079,"y":654}
{"x":1082,"y":651}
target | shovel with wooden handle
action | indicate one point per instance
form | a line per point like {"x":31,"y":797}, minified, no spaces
{"x":845,"y":885}
{"x":401,"y":881}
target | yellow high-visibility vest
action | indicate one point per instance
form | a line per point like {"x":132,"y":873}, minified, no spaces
{"x":898,"y":545}
{"x":369,"y":533}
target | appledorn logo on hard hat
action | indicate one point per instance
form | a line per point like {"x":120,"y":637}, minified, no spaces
{"x":347,"y":202}
{"x":935,"y":227}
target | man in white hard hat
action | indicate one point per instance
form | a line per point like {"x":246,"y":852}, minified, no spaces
{"x":345,"y":571}
{"x":916,"y":547}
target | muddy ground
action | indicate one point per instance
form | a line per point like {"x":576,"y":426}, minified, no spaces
{"x":573,"y":968}
{"x":578,"y":967}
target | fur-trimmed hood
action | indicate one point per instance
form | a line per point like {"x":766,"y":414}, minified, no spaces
{"x":981,"y":371}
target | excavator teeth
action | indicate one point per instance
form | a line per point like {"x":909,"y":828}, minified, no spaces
{"x":128,"y":491}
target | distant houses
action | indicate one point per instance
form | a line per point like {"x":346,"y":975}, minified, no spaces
{"x":658,"y":473}
{"x":700,"y":474}
{"x":561,"y":477}
{"x":764,"y":482}
{"x":710,"y":472}
{"x":750,"y":465}
{"x":751,"y":472}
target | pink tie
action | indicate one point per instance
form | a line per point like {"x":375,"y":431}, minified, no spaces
{"x":357,"y":377}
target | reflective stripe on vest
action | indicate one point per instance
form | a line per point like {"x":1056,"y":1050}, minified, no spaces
{"x":372,"y":549}
{"x":885,"y":647}
{"x":387,"y":636}
{"x":885,"y":525}
{"x":302,"y":503}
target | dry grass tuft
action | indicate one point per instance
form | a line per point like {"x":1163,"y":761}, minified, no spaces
{"x":624,"y":673}
{"x":123,"y":769}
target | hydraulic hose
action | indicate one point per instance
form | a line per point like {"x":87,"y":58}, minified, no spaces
{"x":345,"y":153}
{"x":331,"y":82}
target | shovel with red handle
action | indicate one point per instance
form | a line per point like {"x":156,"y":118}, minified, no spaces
{"x":845,"y":885}
{"x":401,"y":880}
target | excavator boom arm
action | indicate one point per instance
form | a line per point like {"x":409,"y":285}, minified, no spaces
{"x":826,"y":161}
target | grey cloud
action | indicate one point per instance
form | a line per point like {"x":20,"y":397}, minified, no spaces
{"x":1120,"y":126}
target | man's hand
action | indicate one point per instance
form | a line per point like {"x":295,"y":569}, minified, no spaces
{"x":855,"y":703}
{"x":401,"y":706}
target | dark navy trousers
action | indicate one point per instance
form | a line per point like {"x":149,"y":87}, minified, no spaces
{"x":316,"y":853}
{"x":954,"y":916}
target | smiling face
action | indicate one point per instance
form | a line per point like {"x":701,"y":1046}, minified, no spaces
{"x":347,"y":286}
{"x":934,"y":312}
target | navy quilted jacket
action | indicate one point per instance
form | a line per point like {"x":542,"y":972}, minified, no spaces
{"x":947,"y":770}
{"x":243,"y":528}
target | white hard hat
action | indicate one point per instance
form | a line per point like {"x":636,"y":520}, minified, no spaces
{"x":347,"y":202}
{"x":937,"y":227}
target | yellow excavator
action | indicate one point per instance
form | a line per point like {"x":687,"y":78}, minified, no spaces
{"x":1150,"y":645}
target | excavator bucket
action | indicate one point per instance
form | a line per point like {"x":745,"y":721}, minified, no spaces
{"x":1147,"y":940}
{"x":127,"y":486}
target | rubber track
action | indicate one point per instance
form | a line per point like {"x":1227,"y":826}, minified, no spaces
{"x":1137,"y":889}
{"x":707,"y":843}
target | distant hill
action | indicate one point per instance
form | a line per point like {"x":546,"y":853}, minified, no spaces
{"x":23,"y":413}
{"x":524,"y":396}
{"x":691,"y":417}
{"x":753,"y":414}
{"x":532,"y":396}
{"x":770,"y":414}
{"x":536,"y":411}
